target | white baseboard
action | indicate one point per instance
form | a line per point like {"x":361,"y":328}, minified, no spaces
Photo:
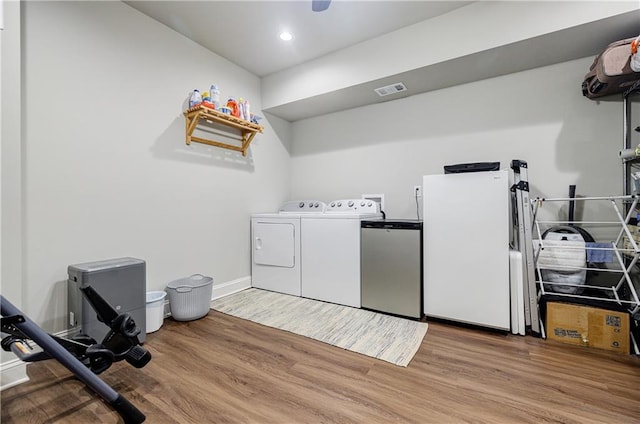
{"x":230,"y":287}
{"x":12,"y":373}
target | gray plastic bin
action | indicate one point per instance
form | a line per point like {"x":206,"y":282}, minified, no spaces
{"x":190,"y":297}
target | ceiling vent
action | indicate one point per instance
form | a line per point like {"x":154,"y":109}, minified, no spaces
{"x":390,"y":89}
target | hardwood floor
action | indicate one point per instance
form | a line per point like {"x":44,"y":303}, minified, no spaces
{"x":222,"y":369}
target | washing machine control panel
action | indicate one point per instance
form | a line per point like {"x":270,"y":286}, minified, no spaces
{"x":301,"y":206}
{"x":353,"y":205}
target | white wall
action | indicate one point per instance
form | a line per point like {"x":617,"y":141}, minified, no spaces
{"x":485,"y":25}
{"x":12,"y":370}
{"x":11,"y":153}
{"x":106,"y":169}
{"x":539,"y":116}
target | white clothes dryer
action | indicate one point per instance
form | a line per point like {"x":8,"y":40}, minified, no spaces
{"x":331,"y":251}
{"x":275,"y":246}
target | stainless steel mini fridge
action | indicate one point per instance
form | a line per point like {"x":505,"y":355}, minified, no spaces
{"x":391,"y":267}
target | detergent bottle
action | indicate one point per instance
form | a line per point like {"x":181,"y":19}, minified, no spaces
{"x":215,"y":96}
{"x":247,"y":111}
{"x":233,"y":105}
{"x":241,"y":108}
{"x":195,"y":99}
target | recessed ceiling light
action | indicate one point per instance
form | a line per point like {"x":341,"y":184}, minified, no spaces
{"x":286,"y":36}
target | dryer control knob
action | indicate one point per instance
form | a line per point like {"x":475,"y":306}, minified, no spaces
{"x":362,"y":204}
{"x":301,"y":205}
{"x":339,"y":204}
{"x":333,"y":204}
{"x":350,"y":204}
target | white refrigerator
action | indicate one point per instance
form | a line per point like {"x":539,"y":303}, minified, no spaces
{"x":466,"y":248}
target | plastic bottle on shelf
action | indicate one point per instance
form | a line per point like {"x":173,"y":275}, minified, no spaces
{"x":206,"y":100}
{"x":247,"y":111}
{"x":241,"y":108}
{"x":215,"y":96}
{"x":233,"y":105}
{"x":195,"y":99}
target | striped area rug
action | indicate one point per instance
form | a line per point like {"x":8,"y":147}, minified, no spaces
{"x":389,"y":338}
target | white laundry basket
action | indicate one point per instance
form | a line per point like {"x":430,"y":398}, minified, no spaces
{"x":190,"y":297}
{"x":155,"y":310}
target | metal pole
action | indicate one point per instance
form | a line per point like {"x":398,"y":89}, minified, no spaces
{"x":626,"y":142}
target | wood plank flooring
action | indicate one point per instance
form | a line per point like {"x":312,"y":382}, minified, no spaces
{"x":222,"y":369}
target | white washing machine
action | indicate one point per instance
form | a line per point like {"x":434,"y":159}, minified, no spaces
{"x":275,"y":246}
{"x":331,"y":251}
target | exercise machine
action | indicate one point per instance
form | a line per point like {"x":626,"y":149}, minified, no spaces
{"x":81,"y":354}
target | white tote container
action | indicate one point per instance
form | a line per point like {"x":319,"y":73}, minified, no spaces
{"x":155,"y":310}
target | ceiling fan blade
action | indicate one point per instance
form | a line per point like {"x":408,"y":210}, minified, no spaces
{"x":320,"y":5}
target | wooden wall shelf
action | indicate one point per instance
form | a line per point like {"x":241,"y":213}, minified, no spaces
{"x":247,"y":130}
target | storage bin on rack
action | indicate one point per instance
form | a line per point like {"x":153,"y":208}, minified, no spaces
{"x":190,"y":297}
{"x":563,"y":260}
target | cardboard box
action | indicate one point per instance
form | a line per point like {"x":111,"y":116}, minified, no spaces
{"x":588,"y":326}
